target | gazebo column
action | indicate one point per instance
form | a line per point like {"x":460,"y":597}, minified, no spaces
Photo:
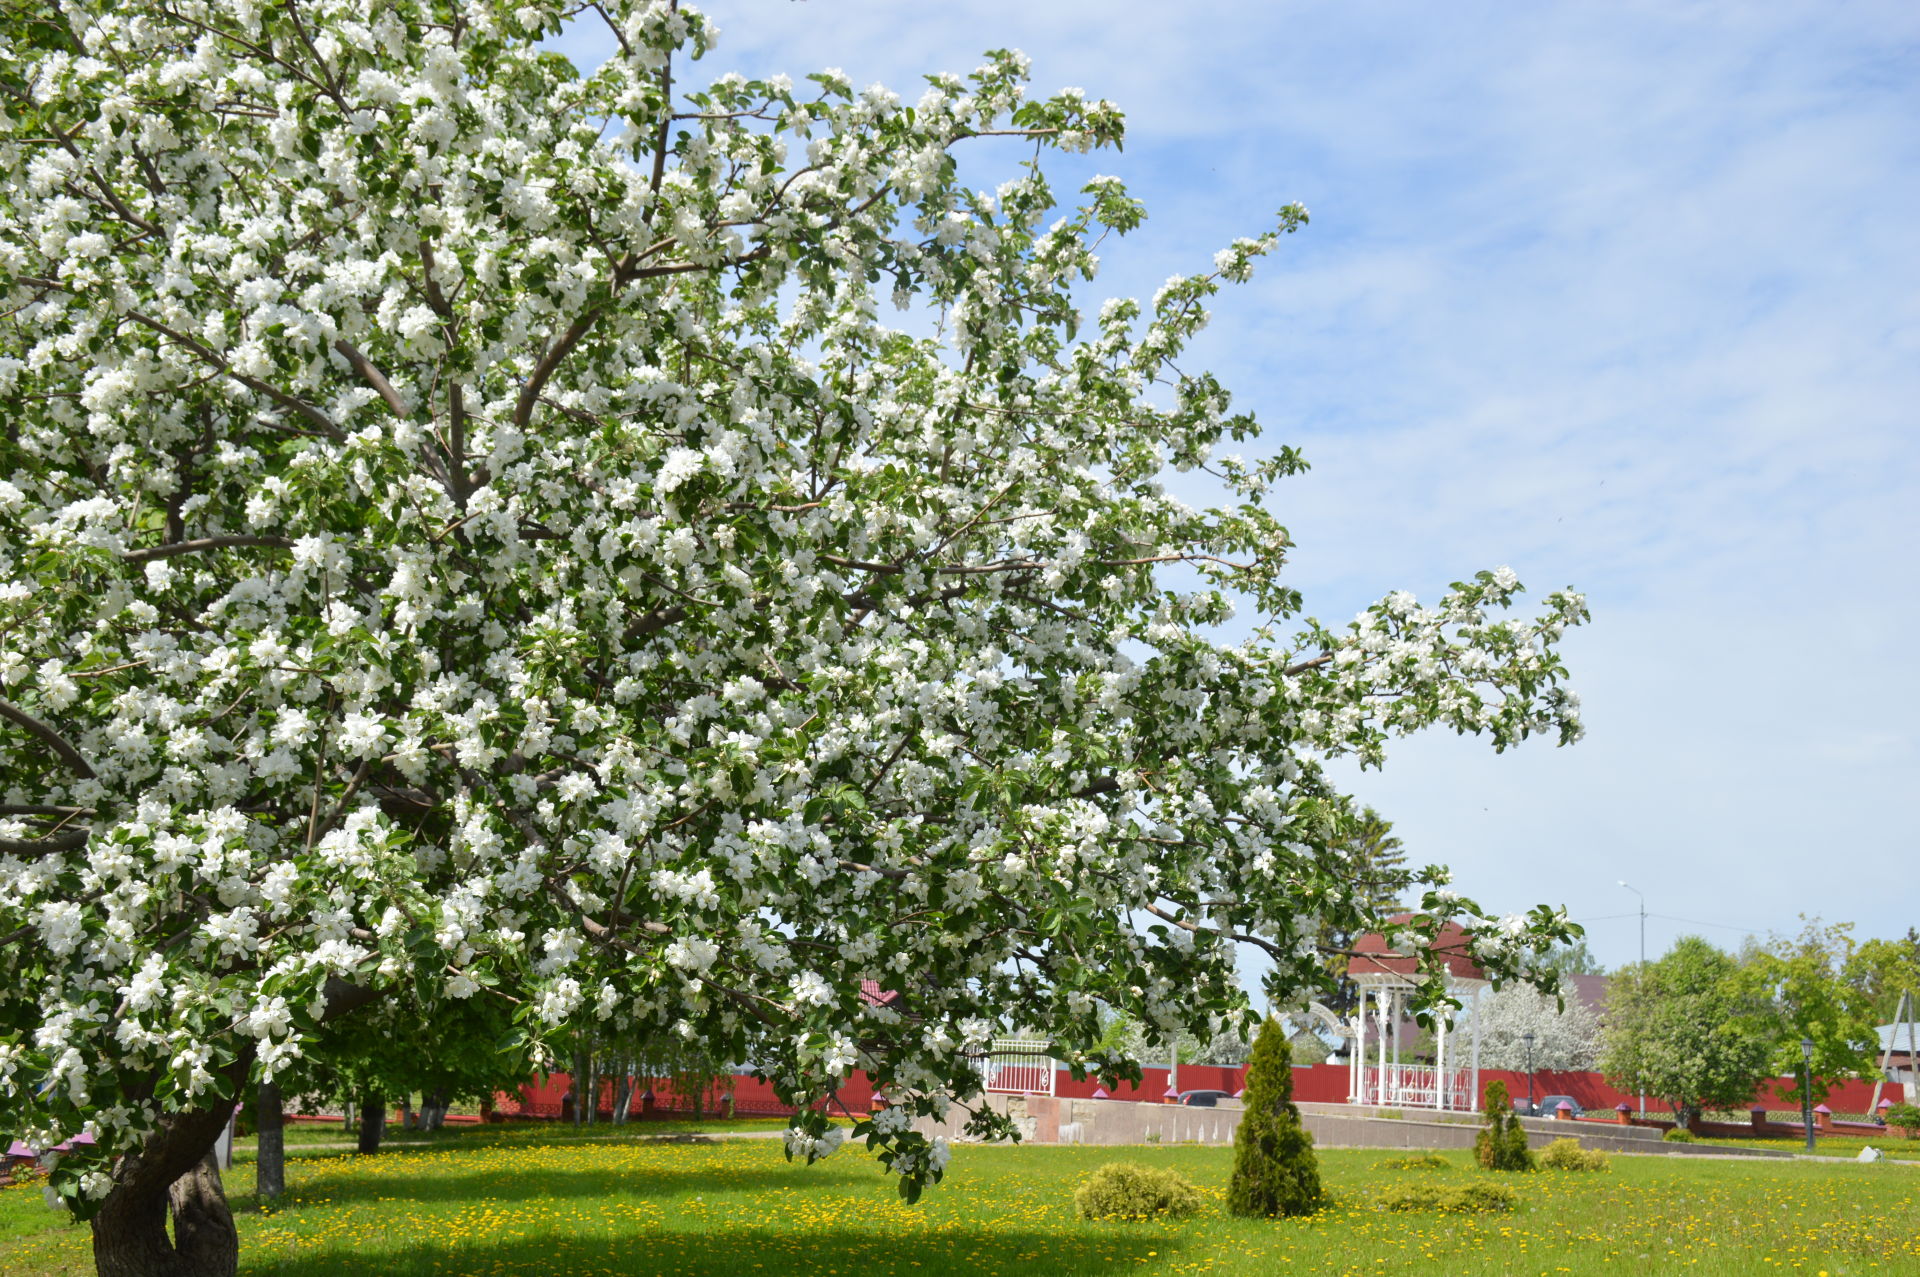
{"x":1357,"y":1056}
{"x":1386,"y":1031}
{"x":1478,"y":990}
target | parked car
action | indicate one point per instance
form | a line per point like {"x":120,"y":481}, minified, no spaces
{"x":1204,"y":1099}
{"x":1550,"y":1107}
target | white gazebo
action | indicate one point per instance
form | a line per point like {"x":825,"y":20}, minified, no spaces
{"x":1386,"y":978}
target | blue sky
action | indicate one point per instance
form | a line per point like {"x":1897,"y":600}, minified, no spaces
{"x":1624,"y":295}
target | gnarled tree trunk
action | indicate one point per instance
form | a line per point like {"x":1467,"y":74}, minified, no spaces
{"x":174,"y":1173}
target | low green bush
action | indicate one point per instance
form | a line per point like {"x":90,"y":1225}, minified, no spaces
{"x":1477,"y":1197}
{"x":1907,"y":1115}
{"x":1416,"y":1162}
{"x":1678,"y":1135}
{"x":1128,"y":1190}
{"x":1567,"y":1155}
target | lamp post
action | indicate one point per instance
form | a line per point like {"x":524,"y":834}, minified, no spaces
{"x":1528,"y":1039}
{"x":1806,"y":1091}
{"x":1643,"y":960}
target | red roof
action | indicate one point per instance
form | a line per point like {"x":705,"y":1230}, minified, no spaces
{"x":1374,"y":956}
{"x":870,"y":991}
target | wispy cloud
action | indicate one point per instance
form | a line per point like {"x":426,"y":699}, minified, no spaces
{"x":1625,"y":295}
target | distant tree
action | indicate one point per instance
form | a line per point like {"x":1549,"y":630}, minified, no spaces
{"x":1687,"y":1029}
{"x":1884,"y":969}
{"x":1274,"y":1170}
{"x":1573,"y":958}
{"x":1564,"y":1037}
{"x":1800,"y":985}
{"x":1378,"y":860}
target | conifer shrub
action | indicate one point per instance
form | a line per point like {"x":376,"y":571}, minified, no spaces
{"x":1567,"y":1155}
{"x":1274,"y":1170}
{"x":1502,"y":1142}
{"x":1476,"y":1197}
{"x":1128,"y":1190}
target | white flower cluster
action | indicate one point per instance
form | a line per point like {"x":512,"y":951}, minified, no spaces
{"x":801,"y":1144}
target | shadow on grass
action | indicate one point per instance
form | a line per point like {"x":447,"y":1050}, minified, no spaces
{"x":325,"y":1188}
{"x":972,"y":1251}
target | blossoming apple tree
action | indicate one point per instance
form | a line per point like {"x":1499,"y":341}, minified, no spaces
{"x":469,"y":526}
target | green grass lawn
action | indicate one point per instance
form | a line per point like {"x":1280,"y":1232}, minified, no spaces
{"x":1835,"y":1145}
{"x":736,"y":1207}
{"x":466,"y":1135}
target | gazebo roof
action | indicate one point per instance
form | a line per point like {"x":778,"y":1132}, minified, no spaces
{"x":1377,"y":962}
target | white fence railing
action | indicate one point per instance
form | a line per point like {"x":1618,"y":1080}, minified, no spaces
{"x":1417,"y":1086}
{"x":1019,"y":1065}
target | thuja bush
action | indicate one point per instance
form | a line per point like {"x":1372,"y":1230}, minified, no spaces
{"x":1567,"y":1155}
{"x":1128,"y":1190}
{"x":1274,"y":1169}
{"x":1502,"y":1142}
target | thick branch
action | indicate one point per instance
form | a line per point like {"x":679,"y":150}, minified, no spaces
{"x":72,"y":840}
{"x":53,"y":740}
{"x":371,"y":375}
{"x":204,"y":543}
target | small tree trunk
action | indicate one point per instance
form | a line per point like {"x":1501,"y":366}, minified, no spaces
{"x":579,"y":1087}
{"x":406,"y":1111}
{"x":373,"y":1122}
{"x":173,"y":1172}
{"x":271,"y":1162}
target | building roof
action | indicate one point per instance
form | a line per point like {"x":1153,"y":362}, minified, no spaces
{"x":1376,"y":962}
{"x":870,"y":991}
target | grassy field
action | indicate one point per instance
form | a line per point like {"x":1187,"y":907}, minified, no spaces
{"x":331,"y":1135}
{"x":1836,"y":1145}
{"x":591,"y":1209}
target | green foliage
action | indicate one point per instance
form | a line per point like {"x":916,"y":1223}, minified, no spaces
{"x":1415,"y":1162}
{"x":1802,"y":990}
{"x":1678,"y":1135}
{"x":1128,"y":1190}
{"x":1477,"y":1197}
{"x":1689,"y":1029}
{"x":1502,"y":1142}
{"x":1905,"y":1115}
{"x":1274,"y":1170}
{"x":1885,"y":969}
{"x":1567,"y":1155}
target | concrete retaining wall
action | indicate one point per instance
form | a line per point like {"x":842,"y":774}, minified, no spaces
{"x":1045,"y":1119}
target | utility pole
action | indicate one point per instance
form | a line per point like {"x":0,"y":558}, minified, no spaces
{"x":1643,"y":963}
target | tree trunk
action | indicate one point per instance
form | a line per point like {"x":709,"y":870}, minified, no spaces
{"x":270,"y":1163}
{"x":373,"y":1122}
{"x":173,"y":1172}
{"x":623,"y":1093}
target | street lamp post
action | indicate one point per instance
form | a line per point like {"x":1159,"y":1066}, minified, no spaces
{"x":1528,"y":1039}
{"x":1806,"y":1091}
{"x":1643,"y":962}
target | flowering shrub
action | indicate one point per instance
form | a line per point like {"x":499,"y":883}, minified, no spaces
{"x":465,"y":527}
{"x":1567,"y":1155}
{"x":1128,"y":1190}
{"x":1477,"y":1197}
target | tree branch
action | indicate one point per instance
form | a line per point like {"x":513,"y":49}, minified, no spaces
{"x":371,"y":375}
{"x":53,"y":740}
{"x":177,"y":548}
